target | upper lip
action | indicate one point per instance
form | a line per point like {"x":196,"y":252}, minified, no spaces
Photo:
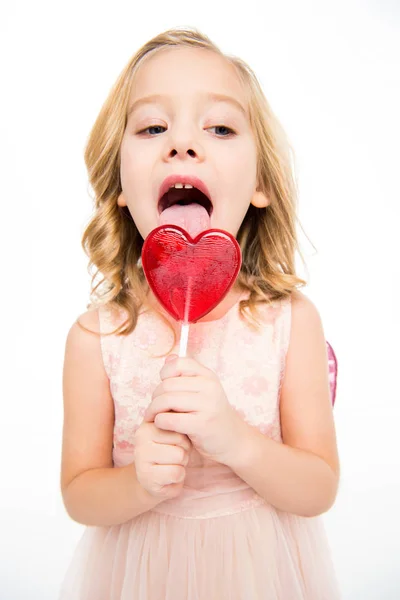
{"x":191,"y":179}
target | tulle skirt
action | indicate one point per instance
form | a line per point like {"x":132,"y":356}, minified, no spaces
{"x":256,"y":554}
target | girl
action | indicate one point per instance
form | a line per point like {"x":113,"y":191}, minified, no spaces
{"x":200,"y":478}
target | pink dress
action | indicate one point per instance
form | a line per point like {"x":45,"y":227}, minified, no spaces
{"x":218,"y":540}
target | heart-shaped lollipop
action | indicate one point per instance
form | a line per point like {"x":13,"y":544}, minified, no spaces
{"x":190,"y":276}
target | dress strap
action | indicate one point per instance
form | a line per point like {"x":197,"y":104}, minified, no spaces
{"x":284,"y":325}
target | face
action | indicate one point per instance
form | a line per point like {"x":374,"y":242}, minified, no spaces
{"x":187,"y":132}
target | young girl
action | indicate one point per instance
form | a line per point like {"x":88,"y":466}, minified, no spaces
{"x":200,"y":478}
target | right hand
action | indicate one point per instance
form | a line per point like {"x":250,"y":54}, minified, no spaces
{"x":160,"y":460}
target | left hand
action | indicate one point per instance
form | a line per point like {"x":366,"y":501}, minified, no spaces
{"x":200,"y":409}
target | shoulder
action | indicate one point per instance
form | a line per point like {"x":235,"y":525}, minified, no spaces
{"x":302,"y":303}
{"x":300,"y":317}
{"x":83,"y":347}
{"x":84,"y":334}
{"x":306,"y":334}
{"x":89,"y":320}
{"x":94,"y":334}
{"x":85,"y":329}
{"x":304,"y":313}
{"x":96,"y":321}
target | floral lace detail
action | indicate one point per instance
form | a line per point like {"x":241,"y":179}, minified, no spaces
{"x":218,"y":524}
{"x":250,"y":365}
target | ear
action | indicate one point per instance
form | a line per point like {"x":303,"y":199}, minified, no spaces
{"x":121,"y":200}
{"x":260,"y":200}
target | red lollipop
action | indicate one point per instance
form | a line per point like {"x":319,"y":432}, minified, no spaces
{"x":190,"y":277}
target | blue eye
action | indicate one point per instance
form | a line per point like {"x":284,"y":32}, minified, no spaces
{"x":152,"y":127}
{"x":228,"y":130}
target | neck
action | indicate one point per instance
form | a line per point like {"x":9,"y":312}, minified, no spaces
{"x":218,"y":312}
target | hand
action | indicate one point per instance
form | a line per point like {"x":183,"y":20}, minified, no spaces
{"x":160,"y":460}
{"x":200,"y":409}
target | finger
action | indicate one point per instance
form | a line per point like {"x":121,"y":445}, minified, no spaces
{"x":166,"y":474}
{"x":188,"y":367}
{"x":181,"y":422}
{"x":179,"y":384}
{"x":163,"y":454}
{"x":183,"y":402}
{"x":161,"y":436}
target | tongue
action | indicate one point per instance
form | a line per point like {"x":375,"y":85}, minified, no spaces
{"x":193,"y":218}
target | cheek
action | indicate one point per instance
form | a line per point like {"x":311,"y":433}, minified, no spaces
{"x":135,"y":174}
{"x":241,"y":175}
{"x":240,"y":164}
{"x":135,"y":165}
{"x":246,"y":162}
{"x":127,"y":165}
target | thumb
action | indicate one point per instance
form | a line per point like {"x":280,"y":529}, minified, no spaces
{"x":170,"y":357}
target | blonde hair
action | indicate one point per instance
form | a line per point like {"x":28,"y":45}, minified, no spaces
{"x":267,"y":236}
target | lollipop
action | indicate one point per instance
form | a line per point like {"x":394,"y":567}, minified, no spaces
{"x":190,"y":276}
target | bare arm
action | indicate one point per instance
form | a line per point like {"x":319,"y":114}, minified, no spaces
{"x":93,"y":491}
{"x":301,"y":475}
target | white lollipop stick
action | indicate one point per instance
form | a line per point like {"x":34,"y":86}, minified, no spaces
{"x":185,"y":323}
{"x":184,"y":339}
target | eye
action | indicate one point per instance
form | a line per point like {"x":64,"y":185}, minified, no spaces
{"x":228,"y":129}
{"x":151,"y":127}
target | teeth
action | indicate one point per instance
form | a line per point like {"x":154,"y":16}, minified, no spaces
{"x":179,"y":186}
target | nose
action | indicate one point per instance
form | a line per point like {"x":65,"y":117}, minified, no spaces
{"x":183,"y":153}
{"x":183,"y":146}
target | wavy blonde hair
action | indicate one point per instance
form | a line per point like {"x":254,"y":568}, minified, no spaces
{"x":267,"y":236}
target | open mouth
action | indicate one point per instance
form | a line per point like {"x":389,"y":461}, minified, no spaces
{"x":183,"y":197}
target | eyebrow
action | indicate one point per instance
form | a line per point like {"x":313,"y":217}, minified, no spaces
{"x":211,"y":97}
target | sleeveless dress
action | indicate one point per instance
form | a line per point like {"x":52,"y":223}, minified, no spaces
{"x":218,"y":540}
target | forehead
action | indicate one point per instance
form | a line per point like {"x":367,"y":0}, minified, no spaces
{"x":187,"y":71}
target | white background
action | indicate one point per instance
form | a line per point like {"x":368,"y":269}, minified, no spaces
{"x":331,"y":73}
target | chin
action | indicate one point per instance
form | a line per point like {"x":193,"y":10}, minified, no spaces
{"x":145,"y":228}
{"x":229,"y":228}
